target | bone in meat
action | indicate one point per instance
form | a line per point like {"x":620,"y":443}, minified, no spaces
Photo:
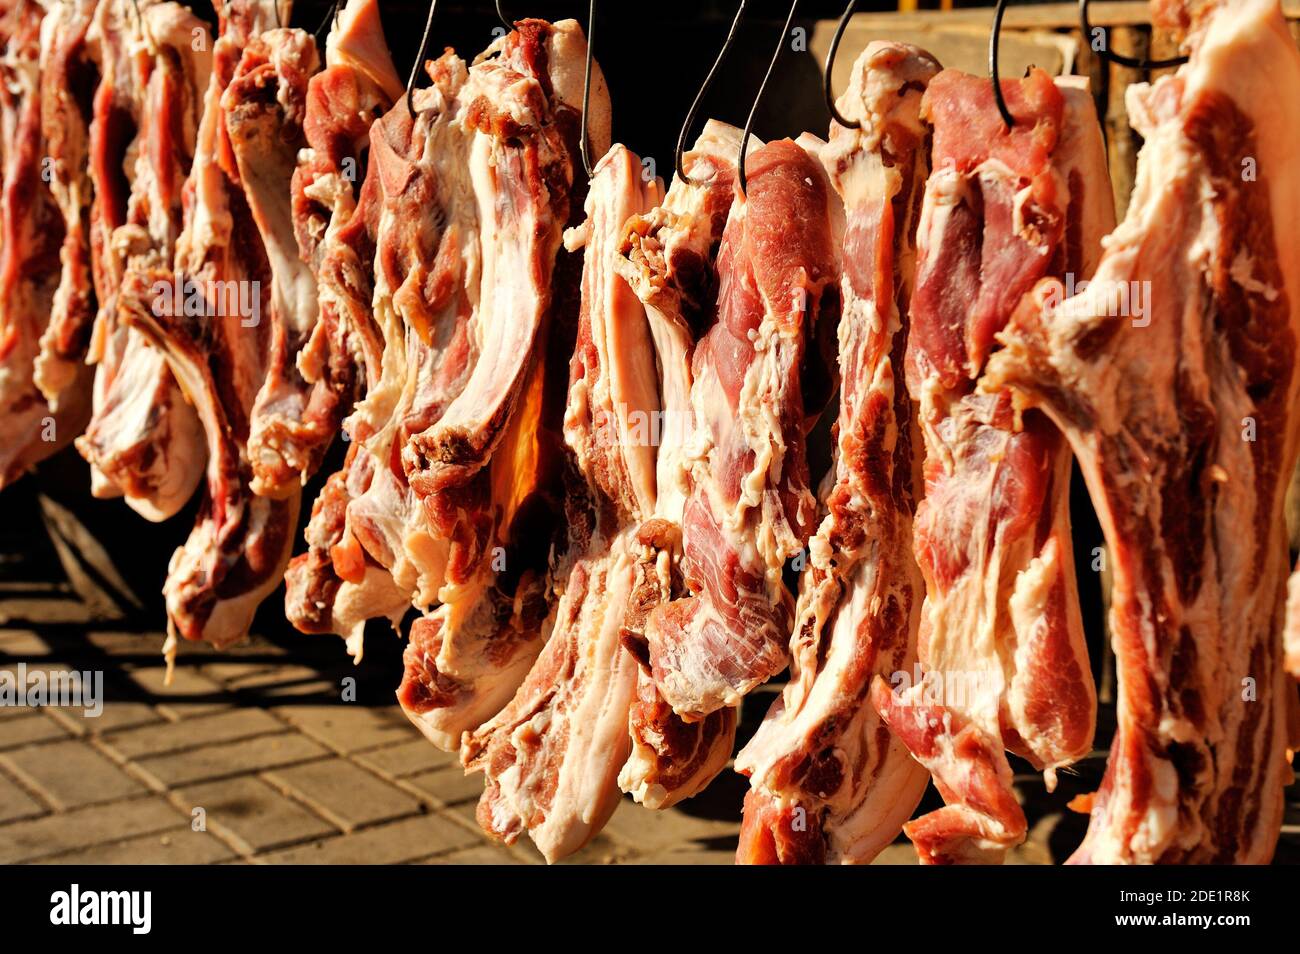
{"x":519,"y":119}
{"x":30,"y":236}
{"x":69,"y":74}
{"x":1155,"y":402}
{"x":828,"y":782}
{"x":667,"y":258}
{"x":749,"y":508}
{"x":553,"y":754}
{"x":144,"y":440}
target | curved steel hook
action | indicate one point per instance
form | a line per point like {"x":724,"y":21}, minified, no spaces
{"x":502,"y":17}
{"x":583,"y":146}
{"x":279,"y":21}
{"x":331,"y":18}
{"x":1086,"y":26}
{"x":994,"y":36}
{"x":419,"y":59}
{"x":699,"y":97}
{"x":753,"y":110}
{"x":830,"y":65}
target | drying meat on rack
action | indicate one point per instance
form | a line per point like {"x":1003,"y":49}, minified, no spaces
{"x":69,"y":74}
{"x":218,"y":338}
{"x":552,"y":755}
{"x":336,"y":218}
{"x":828,"y":782}
{"x":144,"y":439}
{"x":485,"y":465}
{"x":749,"y":508}
{"x":1159,"y":407}
{"x":1001,"y":644}
{"x":29,"y":251}
{"x":667,"y":258}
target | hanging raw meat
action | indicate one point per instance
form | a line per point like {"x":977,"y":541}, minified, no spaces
{"x":553,"y":754}
{"x":31,"y":233}
{"x":217,"y":336}
{"x":490,"y":497}
{"x":1182,"y":414}
{"x":336,"y":218}
{"x":828,"y":783}
{"x":144,"y":440}
{"x":1001,"y":647}
{"x":69,"y":75}
{"x":667,"y":258}
{"x":749,"y":508}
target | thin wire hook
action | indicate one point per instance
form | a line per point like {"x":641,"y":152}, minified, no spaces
{"x":583,"y":146}
{"x":830,"y":65}
{"x":331,"y":18}
{"x":994,"y":37}
{"x":419,"y":59}
{"x":699,"y":97}
{"x":278,"y":21}
{"x":753,"y":110}
{"x":1119,"y":58}
{"x":502,"y":17}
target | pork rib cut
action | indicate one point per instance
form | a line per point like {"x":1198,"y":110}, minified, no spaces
{"x":553,"y":754}
{"x":69,"y":74}
{"x":749,"y":508}
{"x":1002,"y":657}
{"x":217,"y":341}
{"x":144,"y":440}
{"x":515,"y":303}
{"x":828,"y":783}
{"x":31,"y":233}
{"x":667,"y":257}
{"x":1157,"y":405}
{"x":336,"y":218}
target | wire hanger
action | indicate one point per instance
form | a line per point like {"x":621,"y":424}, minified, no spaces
{"x":1086,"y":26}
{"x":1106,"y":54}
{"x":762,"y":88}
{"x":830,"y":65}
{"x":583,"y":147}
{"x":699,"y":97}
{"x":419,"y":59}
{"x":331,"y":18}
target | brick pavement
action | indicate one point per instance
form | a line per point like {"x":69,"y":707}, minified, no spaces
{"x":252,"y":756}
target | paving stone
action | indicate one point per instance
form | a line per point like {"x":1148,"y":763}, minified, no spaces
{"x":48,"y":611}
{"x":33,"y":726}
{"x":121,"y":643}
{"x":114,"y":715}
{"x":191,"y":693}
{"x":344,"y":793}
{"x":395,"y":843}
{"x":229,"y":726}
{"x":234,"y":758}
{"x":70,"y":774}
{"x":897,"y":854}
{"x":16,"y":803}
{"x":22,"y":643}
{"x":651,"y":831}
{"x":406,"y":758}
{"x":55,"y":834}
{"x":450,"y":785}
{"x":347,"y":727}
{"x":251,"y":814}
{"x":180,"y":847}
